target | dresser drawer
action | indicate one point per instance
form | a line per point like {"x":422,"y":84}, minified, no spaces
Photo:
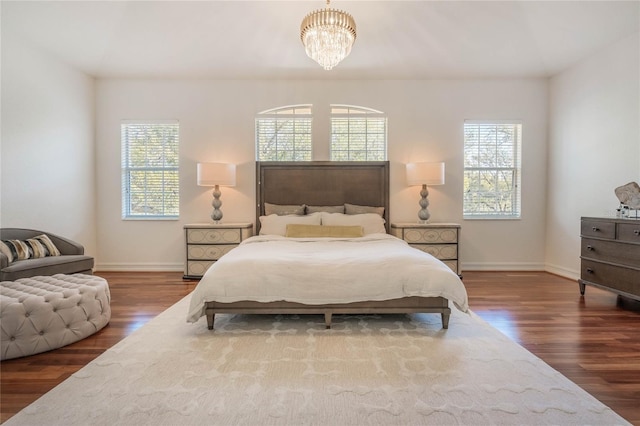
{"x":438,"y":235}
{"x":629,"y":232}
{"x":216,"y":236}
{"x":593,"y":228}
{"x":198,"y":267}
{"x":611,"y":251}
{"x":615,"y":277}
{"x":208,"y":252}
{"x":439,"y":251}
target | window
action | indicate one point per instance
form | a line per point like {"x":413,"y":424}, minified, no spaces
{"x":358,"y":134}
{"x":492,"y":170}
{"x":284,"y":134}
{"x":150,"y":181}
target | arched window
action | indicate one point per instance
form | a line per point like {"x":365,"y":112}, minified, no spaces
{"x":284,"y":134}
{"x":358,"y":134}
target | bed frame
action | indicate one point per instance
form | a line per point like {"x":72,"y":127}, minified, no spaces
{"x":326,"y":183}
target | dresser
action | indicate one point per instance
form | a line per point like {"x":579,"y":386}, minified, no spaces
{"x":610,"y":255}
{"x":441,"y":240}
{"x":208,"y":242}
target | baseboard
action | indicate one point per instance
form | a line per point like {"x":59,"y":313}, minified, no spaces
{"x":511,"y":266}
{"x":562,"y":271}
{"x":467,"y":266}
{"x":140,"y":267}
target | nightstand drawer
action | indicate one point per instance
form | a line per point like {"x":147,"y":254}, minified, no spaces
{"x":197,"y":268}
{"x":208,"y":252}
{"x":439,"y":251}
{"x":441,"y":235}
{"x":452,"y":264}
{"x":213,"y":236}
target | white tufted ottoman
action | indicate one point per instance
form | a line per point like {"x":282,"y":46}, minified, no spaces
{"x":42,"y":313}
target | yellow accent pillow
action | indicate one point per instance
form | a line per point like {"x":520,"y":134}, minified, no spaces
{"x":315,"y":231}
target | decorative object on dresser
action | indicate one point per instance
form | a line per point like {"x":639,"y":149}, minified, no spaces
{"x":441,"y":240}
{"x":610,"y":255}
{"x":629,"y":196}
{"x":206,"y":243}
{"x":425,"y":174}
{"x":216,"y":174}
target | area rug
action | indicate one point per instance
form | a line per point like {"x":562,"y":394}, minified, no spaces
{"x":289,"y":370}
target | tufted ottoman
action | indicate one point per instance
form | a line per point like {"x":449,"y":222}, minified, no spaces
{"x":40,"y":313}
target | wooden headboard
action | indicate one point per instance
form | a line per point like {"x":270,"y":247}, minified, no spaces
{"x":322,"y":183}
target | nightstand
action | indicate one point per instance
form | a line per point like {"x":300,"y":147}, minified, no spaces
{"x":441,"y":240}
{"x":208,"y":242}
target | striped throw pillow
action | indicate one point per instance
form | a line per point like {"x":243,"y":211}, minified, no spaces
{"x":36,"y":247}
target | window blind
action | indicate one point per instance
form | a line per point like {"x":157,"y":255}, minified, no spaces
{"x":150,"y":170}
{"x":284,"y":134}
{"x":358,"y":134}
{"x":492,"y":170}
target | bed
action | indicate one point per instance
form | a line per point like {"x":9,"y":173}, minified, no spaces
{"x":277,"y":272}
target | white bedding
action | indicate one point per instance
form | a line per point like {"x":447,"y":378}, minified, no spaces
{"x":315,"y":271}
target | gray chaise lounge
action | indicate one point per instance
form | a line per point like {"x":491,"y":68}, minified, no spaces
{"x":71,"y":260}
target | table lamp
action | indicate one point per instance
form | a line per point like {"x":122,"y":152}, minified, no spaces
{"x":425,"y":174}
{"x":216,"y":175}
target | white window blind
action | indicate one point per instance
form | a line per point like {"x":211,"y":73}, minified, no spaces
{"x":358,"y":134}
{"x":284,"y":134}
{"x":150,"y":174}
{"x":492,"y":170}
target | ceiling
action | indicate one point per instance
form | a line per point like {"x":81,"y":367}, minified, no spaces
{"x":260,"y":39}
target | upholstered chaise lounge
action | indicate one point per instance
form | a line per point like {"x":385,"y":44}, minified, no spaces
{"x":70,"y":261}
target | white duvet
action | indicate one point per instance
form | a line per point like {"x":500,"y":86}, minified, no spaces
{"x":316,"y":271}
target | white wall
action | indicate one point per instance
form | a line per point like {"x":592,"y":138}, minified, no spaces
{"x":47,"y":151}
{"x":217,"y":124}
{"x":594,"y":145}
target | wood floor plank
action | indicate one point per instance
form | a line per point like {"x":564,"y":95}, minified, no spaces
{"x":593,"y":340}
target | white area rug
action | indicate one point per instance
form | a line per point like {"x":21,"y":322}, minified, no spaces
{"x":263,"y":370}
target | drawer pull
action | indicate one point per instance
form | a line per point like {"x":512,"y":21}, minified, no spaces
{"x":589,"y":270}
{"x":590,"y":248}
{"x":636,"y":231}
{"x":595,"y":229}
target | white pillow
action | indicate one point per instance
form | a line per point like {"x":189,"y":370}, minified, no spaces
{"x":277,"y":225}
{"x":371,"y":223}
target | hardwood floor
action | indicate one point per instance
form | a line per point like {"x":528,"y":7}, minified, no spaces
{"x":593,"y":340}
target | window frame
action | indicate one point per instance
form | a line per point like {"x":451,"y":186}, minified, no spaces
{"x":127,"y":168}
{"x":299,"y":115}
{"x":515,"y":169}
{"x":353,"y":112}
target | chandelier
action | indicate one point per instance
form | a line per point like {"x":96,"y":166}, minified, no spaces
{"x":327,"y":35}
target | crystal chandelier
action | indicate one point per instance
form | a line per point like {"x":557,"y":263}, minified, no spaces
{"x":327,"y":35}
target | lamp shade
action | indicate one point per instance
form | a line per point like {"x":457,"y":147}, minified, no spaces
{"x":425,"y":174}
{"x":211,"y":174}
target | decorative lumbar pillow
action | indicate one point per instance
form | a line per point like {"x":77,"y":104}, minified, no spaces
{"x":277,"y":225}
{"x":15,"y":250}
{"x":328,"y":209}
{"x":283,"y":210}
{"x":371,"y":223}
{"x":355,"y":209}
{"x":45,"y":246}
{"x":39,"y":246}
{"x":320,"y":231}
